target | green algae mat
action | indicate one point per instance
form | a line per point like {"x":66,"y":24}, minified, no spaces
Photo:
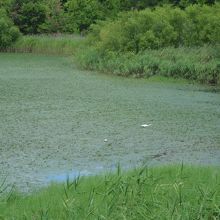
{"x":56,"y":120}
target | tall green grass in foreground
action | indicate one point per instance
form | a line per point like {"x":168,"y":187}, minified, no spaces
{"x":201,"y":64}
{"x":47,"y":44}
{"x":155,"y":193}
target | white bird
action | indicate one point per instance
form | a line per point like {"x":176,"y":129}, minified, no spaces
{"x":105,"y":140}
{"x":145,"y":125}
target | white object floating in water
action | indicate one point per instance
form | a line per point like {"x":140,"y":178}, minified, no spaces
{"x":146,"y":125}
{"x":105,"y":140}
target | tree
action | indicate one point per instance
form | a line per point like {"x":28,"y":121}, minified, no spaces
{"x":56,"y":18}
{"x":29,"y":16}
{"x":6,"y":4}
{"x":8,"y":32}
{"x":83,"y":13}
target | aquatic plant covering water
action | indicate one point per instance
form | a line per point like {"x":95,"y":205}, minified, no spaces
{"x":55,"y":119}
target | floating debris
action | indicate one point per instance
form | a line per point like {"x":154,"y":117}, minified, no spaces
{"x":146,"y":125}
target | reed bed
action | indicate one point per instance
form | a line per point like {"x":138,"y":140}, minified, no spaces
{"x":201,"y":64}
{"x":46,"y":44}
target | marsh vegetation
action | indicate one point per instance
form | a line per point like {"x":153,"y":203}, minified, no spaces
{"x":175,"y":192}
{"x":71,"y":109}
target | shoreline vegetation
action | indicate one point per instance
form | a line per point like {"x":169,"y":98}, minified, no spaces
{"x":170,"y":41}
{"x":56,"y":44}
{"x":199,"y":64}
{"x":169,"y":192}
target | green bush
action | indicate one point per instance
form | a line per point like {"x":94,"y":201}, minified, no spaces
{"x":38,"y":16}
{"x":8,"y":32}
{"x":81,"y":14}
{"x":165,"y":41}
{"x":31,"y":17}
{"x":201,"y":64}
{"x":165,"y":26}
{"x":55,"y":17}
{"x":6,"y":4}
{"x":204,"y":24}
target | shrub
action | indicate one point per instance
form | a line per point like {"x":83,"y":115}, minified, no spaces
{"x":165,"y":26}
{"x":204,"y":24}
{"x":55,"y":17}
{"x":81,"y":14}
{"x":201,"y":63}
{"x":29,"y":16}
{"x":5,"y":4}
{"x":8,"y":32}
{"x":32,"y":16}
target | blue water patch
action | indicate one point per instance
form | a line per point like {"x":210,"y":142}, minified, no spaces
{"x":71,"y":175}
{"x":62,"y":177}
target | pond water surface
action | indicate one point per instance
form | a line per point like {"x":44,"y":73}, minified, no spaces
{"x":56,"y":120}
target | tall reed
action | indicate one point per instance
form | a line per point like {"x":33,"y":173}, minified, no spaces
{"x":173,"y":192}
{"x":47,"y":44}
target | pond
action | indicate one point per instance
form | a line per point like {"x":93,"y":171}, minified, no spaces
{"x":57,"y":120}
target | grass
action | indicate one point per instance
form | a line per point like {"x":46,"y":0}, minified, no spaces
{"x":170,"y":192}
{"x":47,"y":44}
{"x":201,"y":64}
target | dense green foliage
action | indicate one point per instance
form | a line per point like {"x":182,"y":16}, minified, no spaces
{"x":30,"y":18}
{"x":159,"y":193}
{"x":55,"y":18}
{"x":165,"y":26}
{"x":8,"y":32}
{"x":49,"y":16}
{"x":165,"y":41}
{"x":82,"y":13}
